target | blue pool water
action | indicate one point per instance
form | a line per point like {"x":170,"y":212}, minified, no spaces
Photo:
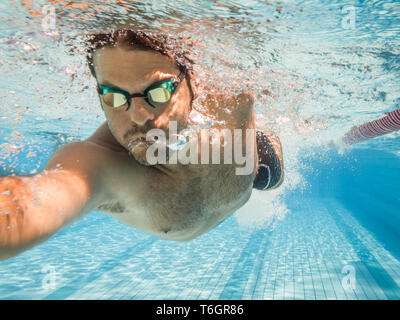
{"x":332,"y":231}
{"x":349,"y":217}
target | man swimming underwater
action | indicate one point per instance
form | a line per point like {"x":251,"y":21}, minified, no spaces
{"x":141,"y":88}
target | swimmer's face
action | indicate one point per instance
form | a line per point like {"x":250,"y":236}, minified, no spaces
{"x":133,"y":71}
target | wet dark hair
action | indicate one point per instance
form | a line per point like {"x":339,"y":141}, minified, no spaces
{"x":142,"y":41}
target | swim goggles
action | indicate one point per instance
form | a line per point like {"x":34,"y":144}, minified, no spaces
{"x":157,"y":94}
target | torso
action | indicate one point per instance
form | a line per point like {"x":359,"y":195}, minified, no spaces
{"x":174,"y":205}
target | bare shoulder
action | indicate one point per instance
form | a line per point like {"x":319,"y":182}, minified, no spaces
{"x":90,"y":158}
{"x":93,"y":164}
{"x":77,"y":155}
{"x":104,"y":138}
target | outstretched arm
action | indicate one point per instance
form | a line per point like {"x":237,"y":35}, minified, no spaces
{"x":32,"y":209}
{"x":238,"y":113}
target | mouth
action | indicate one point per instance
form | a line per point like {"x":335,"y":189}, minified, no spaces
{"x":139,"y":140}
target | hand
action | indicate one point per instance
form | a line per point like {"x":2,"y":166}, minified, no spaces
{"x":232,"y":112}
{"x":228,"y":111}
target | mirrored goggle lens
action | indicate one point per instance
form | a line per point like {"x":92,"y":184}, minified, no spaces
{"x":114,"y":100}
{"x":159,"y":95}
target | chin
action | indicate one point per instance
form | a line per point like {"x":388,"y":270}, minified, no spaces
{"x":139,"y":153}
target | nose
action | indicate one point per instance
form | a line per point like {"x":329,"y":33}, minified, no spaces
{"x":138,"y":113}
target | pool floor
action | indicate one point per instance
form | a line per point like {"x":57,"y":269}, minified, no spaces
{"x":318,"y":251}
